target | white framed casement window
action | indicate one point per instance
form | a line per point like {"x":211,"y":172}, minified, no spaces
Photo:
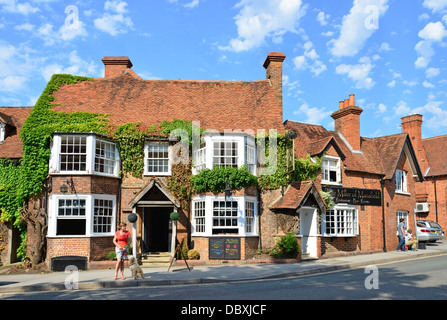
{"x":78,"y":154}
{"x":213,"y":215}
{"x":340,"y":221}
{"x":225,"y":153}
{"x":157,"y":159}
{"x":400,"y":214}
{"x":250,"y":219}
{"x":225,"y":150}
{"x":401,"y":181}
{"x":2,"y":131}
{"x":330,"y":170}
{"x":81,"y":215}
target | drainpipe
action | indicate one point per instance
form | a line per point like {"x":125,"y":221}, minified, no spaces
{"x":382,"y":183}
{"x":436,"y":200}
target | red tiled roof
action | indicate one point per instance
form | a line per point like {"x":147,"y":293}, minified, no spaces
{"x":296,"y":195}
{"x":378,"y":155}
{"x":14,"y":117}
{"x":436,"y":151}
{"x":216,"y":104}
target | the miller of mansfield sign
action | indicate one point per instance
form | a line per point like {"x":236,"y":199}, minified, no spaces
{"x":369,"y":197}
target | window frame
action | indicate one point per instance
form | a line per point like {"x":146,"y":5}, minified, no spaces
{"x":206,"y":227}
{"x":339,"y":219}
{"x":55,"y":167}
{"x":325,"y":166}
{"x":146,"y":158}
{"x":53,"y":215}
{"x":204,"y":156}
{"x":401,"y":181}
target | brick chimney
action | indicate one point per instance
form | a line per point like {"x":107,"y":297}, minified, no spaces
{"x":412,"y":125}
{"x":115,"y":66}
{"x":347,"y":121}
{"x":273,"y":66}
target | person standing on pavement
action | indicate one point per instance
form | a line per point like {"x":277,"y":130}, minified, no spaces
{"x":121,"y":240}
{"x":401,"y":235}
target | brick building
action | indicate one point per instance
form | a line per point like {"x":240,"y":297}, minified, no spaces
{"x":89,"y":197}
{"x":431,"y":194}
{"x":373,"y":182}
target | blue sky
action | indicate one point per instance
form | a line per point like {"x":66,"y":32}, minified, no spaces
{"x":390,"y":53}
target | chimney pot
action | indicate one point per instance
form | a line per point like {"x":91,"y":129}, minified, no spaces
{"x":341,"y":105}
{"x":346,"y":104}
{"x":352,"y":100}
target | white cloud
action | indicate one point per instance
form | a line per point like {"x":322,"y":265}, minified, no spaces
{"x":432,"y":72}
{"x":402,"y":108}
{"x":359,"y":73}
{"x":428,"y":85}
{"x":114,"y":20}
{"x":432,"y":33}
{"x":439,"y":118}
{"x":358,"y":26}
{"x":192,"y":4}
{"x":77,"y":66}
{"x":262,"y":19}
{"x":313,"y":115}
{"x":322,"y":18}
{"x":71,"y":31}
{"x":392,"y":84}
{"x":381,"y":108}
{"x":24,"y":27}
{"x":435,"y":5}
{"x":12,"y":83}
{"x":12,"y":6}
{"x":309,"y":60}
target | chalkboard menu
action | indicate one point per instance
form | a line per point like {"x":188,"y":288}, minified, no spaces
{"x":225,"y":248}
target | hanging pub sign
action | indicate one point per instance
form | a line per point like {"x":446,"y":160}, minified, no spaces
{"x":355,"y":196}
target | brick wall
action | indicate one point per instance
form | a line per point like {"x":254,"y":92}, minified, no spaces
{"x":249,"y":246}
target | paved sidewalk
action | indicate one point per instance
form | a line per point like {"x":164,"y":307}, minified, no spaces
{"x":99,"y":279}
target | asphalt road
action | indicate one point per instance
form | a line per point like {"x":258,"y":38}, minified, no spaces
{"x":416,"y":279}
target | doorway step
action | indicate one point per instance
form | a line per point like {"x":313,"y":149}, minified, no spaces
{"x":155,"y":259}
{"x":307,"y":257}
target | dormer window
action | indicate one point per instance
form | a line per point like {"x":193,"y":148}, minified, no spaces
{"x":84,"y":154}
{"x":401,"y":181}
{"x":331,"y":173}
{"x":2,"y":131}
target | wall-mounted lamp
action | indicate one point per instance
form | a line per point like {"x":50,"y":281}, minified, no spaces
{"x":63,"y":189}
{"x":227,"y":190}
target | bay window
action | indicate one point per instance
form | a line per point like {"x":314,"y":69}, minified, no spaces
{"x":225,"y":150}
{"x":213,"y":215}
{"x":83,"y":154}
{"x":81,"y":215}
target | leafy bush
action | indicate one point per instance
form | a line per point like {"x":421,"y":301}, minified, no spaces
{"x":286,"y":247}
{"x":193,"y":254}
{"x":111,"y":256}
{"x":215,"y":179}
